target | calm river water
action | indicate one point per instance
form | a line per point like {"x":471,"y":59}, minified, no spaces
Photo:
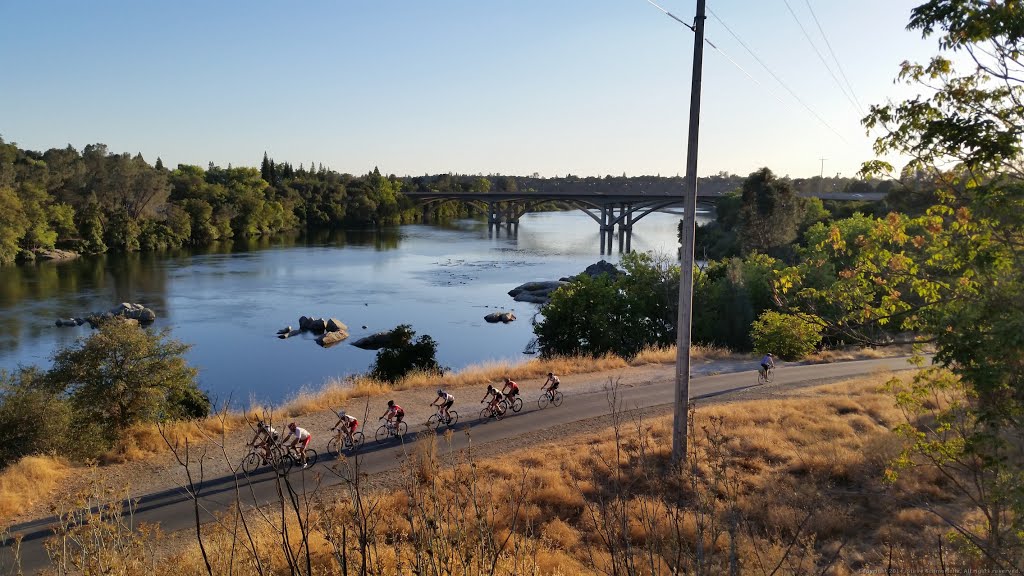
{"x":229,"y":301}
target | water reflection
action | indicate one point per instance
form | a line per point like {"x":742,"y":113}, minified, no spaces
{"x":229,"y":299}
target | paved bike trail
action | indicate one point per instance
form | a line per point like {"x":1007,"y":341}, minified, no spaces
{"x":173,"y":509}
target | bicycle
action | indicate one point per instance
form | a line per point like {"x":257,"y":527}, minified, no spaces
{"x":438,"y":420}
{"x":765,"y":376}
{"x":389,"y":430}
{"x":256,"y":456}
{"x":515,"y":405}
{"x":547,"y":397}
{"x":292,"y":458}
{"x":498,"y":412}
{"x":340,"y":441}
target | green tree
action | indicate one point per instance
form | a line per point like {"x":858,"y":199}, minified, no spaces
{"x":622,"y":315}
{"x":123,"y":374}
{"x":954,"y":274}
{"x":403,"y":355}
{"x":788,"y":336}
{"x":34,"y":419}
{"x":770,"y":214}
{"x":12,"y":225}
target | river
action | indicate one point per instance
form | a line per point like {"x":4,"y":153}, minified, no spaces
{"x":228,"y":301}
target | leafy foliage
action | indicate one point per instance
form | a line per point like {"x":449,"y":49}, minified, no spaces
{"x":602,"y":315}
{"x":788,"y":336}
{"x":403,"y":355}
{"x":124,"y":374}
{"x":728,"y":296}
{"x":34,"y":419}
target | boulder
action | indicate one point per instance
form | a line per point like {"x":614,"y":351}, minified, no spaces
{"x":318,"y":326}
{"x":145,"y":316}
{"x":285,"y":330}
{"x":79,"y":321}
{"x":289,"y":334}
{"x":66,"y":322}
{"x":305,"y":322}
{"x":331,"y":338}
{"x":335,"y":325}
{"x":602,"y":267}
{"x":55,"y":254}
{"x":373,"y":341}
{"x":546,"y":287}
{"x":495,"y":317}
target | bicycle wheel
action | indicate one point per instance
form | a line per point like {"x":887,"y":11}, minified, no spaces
{"x":762,"y":377}
{"x":485,"y":413}
{"x":453,"y":418}
{"x":434,"y":421}
{"x":557,"y":400}
{"x":251,"y":462}
{"x":499,"y":411}
{"x":770,"y":376}
{"x":543,"y":400}
{"x":284,"y":465}
{"x":517,"y":404}
{"x":382,"y":433}
{"x":401,"y":429}
{"x":311,"y":456}
{"x":333,"y":446}
{"x":357,"y":440}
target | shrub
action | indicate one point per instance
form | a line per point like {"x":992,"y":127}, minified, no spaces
{"x":34,"y":420}
{"x":402,"y":355}
{"x":124,"y":374}
{"x":785,"y":335}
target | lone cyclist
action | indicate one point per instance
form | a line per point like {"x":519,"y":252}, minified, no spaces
{"x":445,"y":401}
{"x":550,"y":385}
{"x":767,"y":363}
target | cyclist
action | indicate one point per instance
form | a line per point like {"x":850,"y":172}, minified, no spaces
{"x":444,"y":400}
{"x":346,"y":424}
{"x":302,"y":438}
{"x":550,"y":385}
{"x":265,"y":436}
{"x":510,"y":389}
{"x":767,"y":363}
{"x":495,"y":398}
{"x":394,"y":413}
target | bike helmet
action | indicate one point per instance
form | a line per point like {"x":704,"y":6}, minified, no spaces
{"x":291,"y":425}
{"x":550,"y":374}
{"x":391,"y":403}
{"x":489,"y":387}
{"x":440,"y":392}
{"x":342,"y":414}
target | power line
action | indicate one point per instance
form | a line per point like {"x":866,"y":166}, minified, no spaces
{"x":830,"y":51}
{"x":775,"y":76}
{"x":820,"y":57}
{"x":748,"y":74}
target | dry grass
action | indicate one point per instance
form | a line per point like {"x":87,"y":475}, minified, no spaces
{"x":804,"y":473}
{"x":829,"y":355}
{"x":27,"y":480}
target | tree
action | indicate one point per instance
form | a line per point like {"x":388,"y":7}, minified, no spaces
{"x":23,"y":398}
{"x":124,"y":374}
{"x":403,"y":355}
{"x":613,"y":315}
{"x":954,"y":274}
{"x":770,"y":213}
{"x":12,"y":225}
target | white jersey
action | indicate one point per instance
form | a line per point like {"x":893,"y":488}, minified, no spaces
{"x":300,"y":433}
{"x":447,"y":398}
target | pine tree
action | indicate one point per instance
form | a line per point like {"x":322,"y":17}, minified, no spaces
{"x":266,"y":169}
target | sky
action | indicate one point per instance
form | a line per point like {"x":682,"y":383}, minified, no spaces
{"x":554,"y":87}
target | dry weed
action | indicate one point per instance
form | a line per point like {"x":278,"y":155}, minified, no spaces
{"x":27,"y":480}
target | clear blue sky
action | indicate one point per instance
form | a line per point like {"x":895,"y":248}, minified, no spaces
{"x":469,"y":86}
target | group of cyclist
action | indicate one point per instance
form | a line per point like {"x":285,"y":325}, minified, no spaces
{"x":267,"y":435}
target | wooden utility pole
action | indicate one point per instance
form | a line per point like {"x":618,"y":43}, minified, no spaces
{"x":680,"y":424}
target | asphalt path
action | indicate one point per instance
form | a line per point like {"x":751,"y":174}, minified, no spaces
{"x":174,"y":509}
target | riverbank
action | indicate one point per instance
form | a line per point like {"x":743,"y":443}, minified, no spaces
{"x":144,"y":464}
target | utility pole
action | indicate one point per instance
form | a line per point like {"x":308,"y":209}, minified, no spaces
{"x":822,"y":173}
{"x":680,"y":422}
{"x":821,"y":177}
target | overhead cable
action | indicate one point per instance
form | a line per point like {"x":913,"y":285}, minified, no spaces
{"x":824,"y":62}
{"x":831,"y":52}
